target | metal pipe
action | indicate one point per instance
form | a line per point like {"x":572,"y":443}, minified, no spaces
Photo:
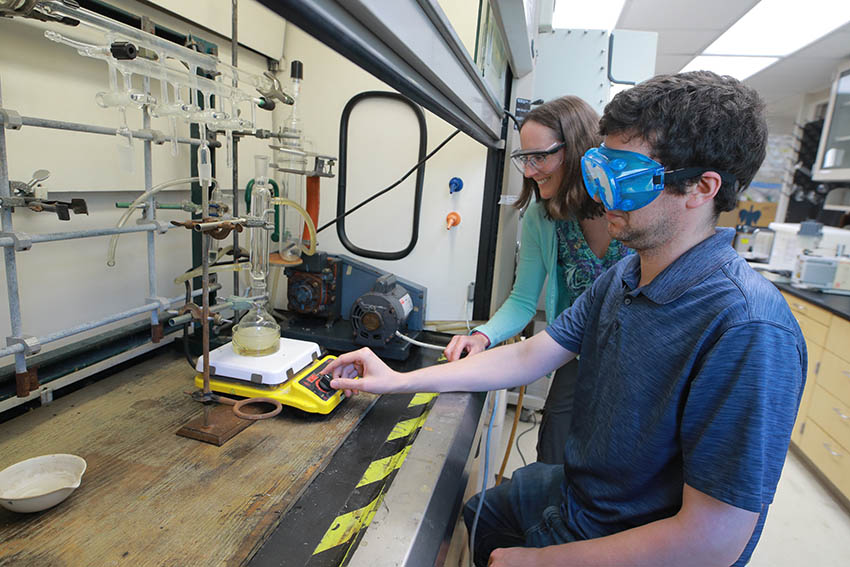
{"x":205,"y":314}
{"x":234,"y":48}
{"x":92,"y":129}
{"x":9,"y":255}
{"x":74,"y":235}
{"x":150,"y":211}
{"x":18,"y":348}
{"x":205,"y":226}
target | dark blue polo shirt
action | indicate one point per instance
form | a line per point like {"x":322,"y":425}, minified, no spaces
{"x":694,"y":378}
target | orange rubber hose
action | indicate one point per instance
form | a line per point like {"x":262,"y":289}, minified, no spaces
{"x":312,"y":204}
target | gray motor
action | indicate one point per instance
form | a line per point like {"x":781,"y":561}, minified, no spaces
{"x":378,"y":314}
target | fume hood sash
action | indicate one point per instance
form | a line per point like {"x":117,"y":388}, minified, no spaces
{"x":409,"y":45}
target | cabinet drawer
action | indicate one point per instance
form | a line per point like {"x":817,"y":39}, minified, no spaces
{"x":803,"y":307}
{"x":814,"y":353}
{"x":834,"y":376}
{"x":828,"y":456}
{"x":831,"y":415}
{"x":838,"y":339}
{"x":813,"y":331}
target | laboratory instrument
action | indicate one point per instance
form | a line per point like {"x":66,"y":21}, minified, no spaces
{"x":345,"y":303}
{"x":258,"y":363}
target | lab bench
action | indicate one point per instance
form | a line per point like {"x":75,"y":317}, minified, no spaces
{"x":822,"y":430}
{"x":378,"y":481}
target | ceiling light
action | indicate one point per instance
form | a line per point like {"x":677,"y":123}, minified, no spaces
{"x":781,"y":27}
{"x":738,"y":67}
{"x":599,"y":15}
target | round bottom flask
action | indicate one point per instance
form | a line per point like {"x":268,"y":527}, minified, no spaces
{"x":256,"y":334}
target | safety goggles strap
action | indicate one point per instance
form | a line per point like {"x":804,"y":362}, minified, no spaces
{"x":678,"y":175}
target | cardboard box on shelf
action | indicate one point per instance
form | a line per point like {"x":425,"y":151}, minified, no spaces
{"x":750,"y":213}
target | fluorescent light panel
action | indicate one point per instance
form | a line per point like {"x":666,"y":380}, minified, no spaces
{"x":781,"y":27}
{"x":738,"y":67}
{"x":580,"y":14}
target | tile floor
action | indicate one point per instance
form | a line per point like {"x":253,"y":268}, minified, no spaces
{"x":805,"y":526}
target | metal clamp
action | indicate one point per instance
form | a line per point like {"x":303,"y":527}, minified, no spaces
{"x":23,"y":241}
{"x":161,"y":227}
{"x":161,"y":301}
{"x":12,"y":202}
{"x":31,"y":344}
{"x":239,"y":303}
{"x":10,"y":119}
{"x":157,"y":137}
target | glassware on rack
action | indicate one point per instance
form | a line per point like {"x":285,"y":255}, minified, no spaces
{"x":257,"y":333}
{"x":291,"y":162}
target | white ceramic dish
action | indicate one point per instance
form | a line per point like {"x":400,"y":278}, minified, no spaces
{"x":40,"y":483}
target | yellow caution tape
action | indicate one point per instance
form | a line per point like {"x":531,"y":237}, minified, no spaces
{"x":348,"y":525}
{"x":381,"y":468}
{"x":421,"y":399}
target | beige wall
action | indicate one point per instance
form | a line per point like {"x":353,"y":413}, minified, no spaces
{"x":382,"y":146}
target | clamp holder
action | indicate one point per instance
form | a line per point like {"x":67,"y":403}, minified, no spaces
{"x":197,"y":316}
{"x":30,"y":343}
{"x":161,"y":227}
{"x":157,"y":136}
{"x":239,"y":303}
{"x":23,"y":241}
{"x":10,"y":119}
{"x":163,"y":302}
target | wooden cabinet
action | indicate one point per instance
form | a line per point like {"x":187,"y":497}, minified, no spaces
{"x":814,"y":353}
{"x":822,"y":430}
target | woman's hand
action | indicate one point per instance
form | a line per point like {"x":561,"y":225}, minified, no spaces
{"x":472,"y":344}
{"x":375,"y":376}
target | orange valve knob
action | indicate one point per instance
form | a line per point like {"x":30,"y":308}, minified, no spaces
{"x":452,"y":219}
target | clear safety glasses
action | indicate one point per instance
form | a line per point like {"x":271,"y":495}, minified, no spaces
{"x":626,"y":181}
{"x":539,"y":160}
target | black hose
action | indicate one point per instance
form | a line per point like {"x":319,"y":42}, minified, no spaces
{"x":341,"y":177}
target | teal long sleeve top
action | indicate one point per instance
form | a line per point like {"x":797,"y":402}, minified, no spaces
{"x":545,"y":244}
{"x":538,"y":257}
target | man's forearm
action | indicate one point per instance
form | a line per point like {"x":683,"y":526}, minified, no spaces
{"x":503,"y":367}
{"x":705,"y":532}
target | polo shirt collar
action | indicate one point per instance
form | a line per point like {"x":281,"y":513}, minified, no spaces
{"x":687,"y":270}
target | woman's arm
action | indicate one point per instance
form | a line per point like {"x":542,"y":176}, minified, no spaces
{"x":521,"y":305}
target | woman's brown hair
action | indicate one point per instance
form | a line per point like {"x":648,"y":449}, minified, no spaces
{"x":576,"y":124}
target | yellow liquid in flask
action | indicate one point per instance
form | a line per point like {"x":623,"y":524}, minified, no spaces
{"x":256,"y":341}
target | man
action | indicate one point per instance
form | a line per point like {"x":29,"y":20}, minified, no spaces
{"x":691,"y":364}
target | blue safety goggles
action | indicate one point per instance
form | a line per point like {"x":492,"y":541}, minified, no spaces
{"x":626,"y":181}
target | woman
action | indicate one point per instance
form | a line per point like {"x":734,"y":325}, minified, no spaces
{"x":564,"y":237}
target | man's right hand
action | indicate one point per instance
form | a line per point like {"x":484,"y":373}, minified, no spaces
{"x":472,"y":344}
{"x":375,"y":376}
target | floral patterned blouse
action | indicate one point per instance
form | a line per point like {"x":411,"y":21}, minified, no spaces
{"x":578,"y":266}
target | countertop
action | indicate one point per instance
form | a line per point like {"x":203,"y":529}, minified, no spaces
{"x":836,"y":304}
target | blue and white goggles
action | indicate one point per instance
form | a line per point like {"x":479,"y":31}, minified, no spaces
{"x":626,"y":181}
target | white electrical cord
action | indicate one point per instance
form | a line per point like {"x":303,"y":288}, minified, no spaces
{"x":419,"y":343}
{"x":483,"y":482}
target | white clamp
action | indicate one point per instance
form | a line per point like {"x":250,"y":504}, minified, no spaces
{"x":10,"y":119}
{"x":23,"y":241}
{"x":159,"y":300}
{"x":31,"y":344}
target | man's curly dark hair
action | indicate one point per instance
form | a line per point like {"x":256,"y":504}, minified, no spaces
{"x":697,"y":119}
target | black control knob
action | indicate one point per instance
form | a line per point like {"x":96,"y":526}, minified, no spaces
{"x":123,"y":50}
{"x":325,"y":382}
